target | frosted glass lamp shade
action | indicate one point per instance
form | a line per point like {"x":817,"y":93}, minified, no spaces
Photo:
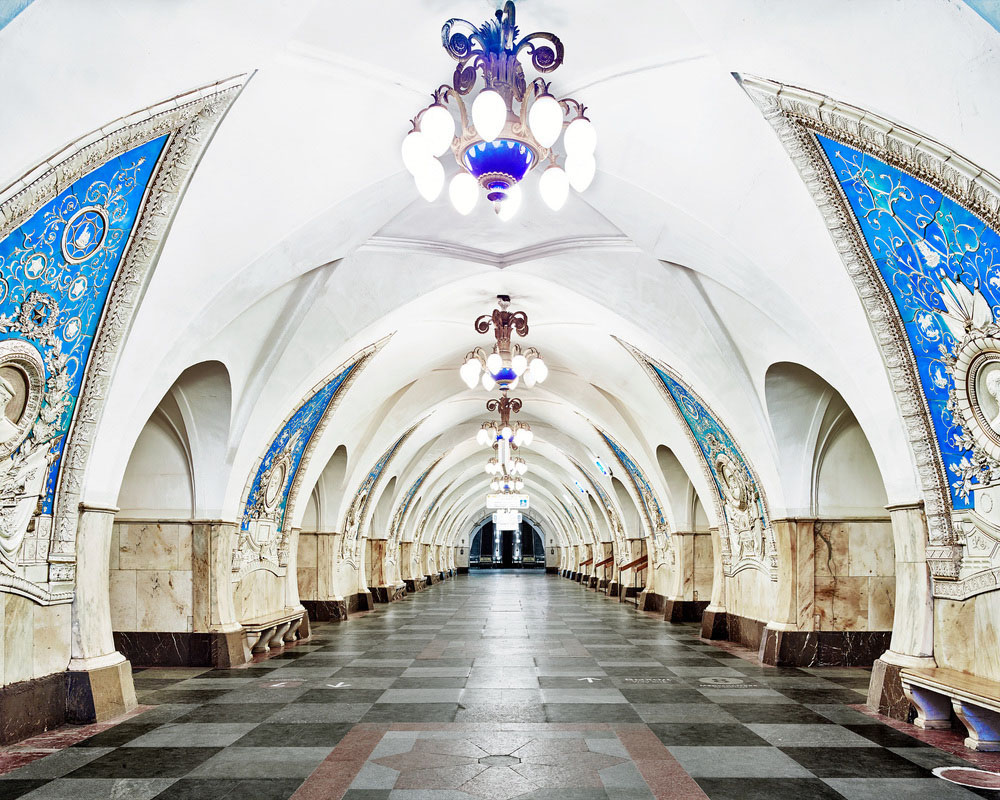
{"x":416,"y":154}
{"x":488,"y":382}
{"x":494,"y":363}
{"x":438,"y":127}
{"x":470,"y":373}
{"x":581,"y":170}
{"x":483,"y":436}
{"x":580,"y":138}
{"x":430,"y":180}
{"x":464,"y":192}
{"x":529,"y":377}
{"x":545,"y":120}
{"x":554,"y":187}
{"x":489,"y":114}
{"x":506,"y":432}
{"x":539,"y":369}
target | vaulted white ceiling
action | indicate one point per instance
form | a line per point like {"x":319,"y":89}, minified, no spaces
{"x":301,"y":239}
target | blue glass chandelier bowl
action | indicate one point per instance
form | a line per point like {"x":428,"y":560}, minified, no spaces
{"x":499,"y":164}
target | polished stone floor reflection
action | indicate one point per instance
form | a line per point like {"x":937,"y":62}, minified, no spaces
{"x":497,"y":685}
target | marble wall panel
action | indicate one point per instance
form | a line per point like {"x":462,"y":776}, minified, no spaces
{"x":966,"y":634}
{"x":307,"y":583}
{"x":18,"y":636}
{"x":259,"y":594}
{"x":124,"y":615}
{"x":163,"y":600}
{"x":51,"y":639}
{"x":154,"y":546}
{"x":832,"y":544}
{"x":750,"y":594}
{"x":307,"y":550}
{"x":881,"y":603}
{"x":870,"y":550}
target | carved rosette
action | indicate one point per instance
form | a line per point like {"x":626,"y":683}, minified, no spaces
{"x":47,"y":574}
{"x":954,"y":548}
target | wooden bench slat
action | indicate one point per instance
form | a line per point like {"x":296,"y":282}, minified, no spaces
{"x":953,"y":682}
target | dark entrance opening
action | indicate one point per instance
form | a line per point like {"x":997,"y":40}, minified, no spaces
{"x":507,"y":549}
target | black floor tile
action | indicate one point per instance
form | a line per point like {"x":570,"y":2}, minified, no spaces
{"x":775,"y":713}
{"x":145,"y":762}
{"x":295,"y":734}
{"x":590,"y":712}
{"x":231,"y":712}
{"x":886,"y":736}
{"x":683,"y":734}
{"x":411,"y":712}
{"x":344,"y":695}
{"x":118,"y":735}
{"x":217,"y":789}
{"x":12,"y":788}
{"x":767,"y":789}
{"x":855,"y":762}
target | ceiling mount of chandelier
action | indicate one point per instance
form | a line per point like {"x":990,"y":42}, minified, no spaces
{"x":508,"y":364}
{"x":513,"y":126}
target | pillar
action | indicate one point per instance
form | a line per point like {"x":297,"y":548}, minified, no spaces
{"x":713,"y":620}
{"x":99,"y":681}
{"x":213,"y":612}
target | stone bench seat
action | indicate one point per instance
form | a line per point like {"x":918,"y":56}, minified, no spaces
{"x":272,"y":630}
{"x":936,"y":693}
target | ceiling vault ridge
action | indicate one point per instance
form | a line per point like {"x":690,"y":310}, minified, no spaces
{"x":534,"y":252}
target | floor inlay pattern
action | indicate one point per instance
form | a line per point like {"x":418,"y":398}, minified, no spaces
{"x":497,"y":685}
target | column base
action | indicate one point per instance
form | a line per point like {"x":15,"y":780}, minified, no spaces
{"x":822,"y":648}
{"x":885,"y":691}
{"x":463,"y":570}
{"x":684,"y":610}
{"x":362,"y":601}
{"x":326,"y":610}
{"x":714,"y":624}
{"x":99,"y":694}
{"x":614,"y":589}
{"x":651,"y":601}
{"x":166,"y":649}
{"x":28,"y":708}
{"x":415,"y":584}
{"x":432,"y":579}
{"x":552,"y":570}
{"x":389,"y":594}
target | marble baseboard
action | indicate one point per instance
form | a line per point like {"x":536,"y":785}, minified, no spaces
{"x":166,"y":649}
{"x":362,"y":601}
{"x":388,"y":594}
{"x":885,"y":692}
{"x":614,"y":589}
{"x":28,"y":708}
{"x":822,"y":648}
{"x":579,"y":577}
{"x":326,"y":610}
{"x":551,"y":570}
{"x":415,"y":584}
{"x":592,"y":582}
{"x":463,"y":570}
{"x":99,"y":694}
{"x":745,"y":631}
{"x":651,"y":601}
{"x":714,"y":625}
{"x":431,"y":580}
{"x":684,"y":610}
{"x":632,"y":592}
{"x":602,"y":585}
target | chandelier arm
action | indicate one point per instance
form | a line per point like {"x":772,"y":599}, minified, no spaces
{"x":543,"y":57}
{"x":519,"y":323}
{"x":482,"y":323}
{"x":570,"y":104}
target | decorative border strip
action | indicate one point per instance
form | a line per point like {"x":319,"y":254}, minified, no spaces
{"x":795,"y":114}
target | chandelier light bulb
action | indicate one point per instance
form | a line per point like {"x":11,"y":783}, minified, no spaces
{"x":470,"y":372}
{"x":581,"y":169}
{"x":513,"y":384}
{"x":430,"y":180}
{"x":580,"y":138}
{"x":529,"y":437}
{"x":545,"y":120}
{"x":518,"y":485}
{"x":488,"y":382}
{"x":495,"y":485}
{"x":519,"y":364}
{"x":464,"y":193}
{"x":529,"y":377}
{"x":438,"y":127}
{"x":415,"y":153}
{"x":539,"y":369}
{"x":489,"y":114}
{"x":489,"y":467}
{"x":522,"y":467}
{"x":510,"y":206}
{"x":483,"y":437}
{"x":494,"y":363}
{"x":554,"y":187}
{"x":506,"y":432}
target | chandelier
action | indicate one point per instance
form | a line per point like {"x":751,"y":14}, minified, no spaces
{"x":505,"y":466}
{"x":508,"y":364}
{"x":514,"y":125}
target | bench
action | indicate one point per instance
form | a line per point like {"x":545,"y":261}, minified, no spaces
{"x":936,"y":693}
{"x":266,"y":633}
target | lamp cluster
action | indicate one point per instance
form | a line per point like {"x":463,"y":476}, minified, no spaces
{"x":513,"y":126}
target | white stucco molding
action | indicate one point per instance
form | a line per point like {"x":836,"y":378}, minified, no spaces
{"x":190,"y":120}
{"x":795,"y":114}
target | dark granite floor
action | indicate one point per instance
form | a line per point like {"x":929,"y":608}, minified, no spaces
{"x":498,"y":684}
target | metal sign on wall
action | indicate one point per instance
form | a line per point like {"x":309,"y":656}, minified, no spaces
{"x":507,"y":519}
{"x":506,"y":500}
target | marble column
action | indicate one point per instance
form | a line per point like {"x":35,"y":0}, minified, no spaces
{"x":713,"y":621}
{"x":99,"y":681}
{"x":912,"y":643}
{"x":212,"y":543}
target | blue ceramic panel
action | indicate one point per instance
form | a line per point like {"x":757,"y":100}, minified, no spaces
{"x":642,"y":488}
{"x":405,"y":505}
{"x":292,"y":439}
{"x":917,"y":237}
{"x":56,"y":273}
{"x":711,"y":437}
{"x":376,"y":472}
